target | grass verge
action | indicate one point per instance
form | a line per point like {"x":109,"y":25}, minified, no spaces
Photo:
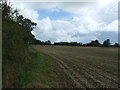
{"x":38,"y":73}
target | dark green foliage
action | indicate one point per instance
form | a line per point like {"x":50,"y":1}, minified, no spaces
{"x":116,"y":45}
{"x":97,"y":43}
{"x":106,"y":43}
{"x":35,"y":41}
{"x":16,"y":32}
{"x":67,"y":43}
{"x":48,"y":42}
{"x":16,"y":36}
{"x":94,"y":43}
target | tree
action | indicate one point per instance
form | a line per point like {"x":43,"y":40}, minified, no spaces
{"x":116,"y":45}
{"x":16,"y":37}
{"x":97,"y":43}
{"x":48,"y":42}
{"x":16,"y":32}
{"x":94,"y":43}
{"x":106,"y":43}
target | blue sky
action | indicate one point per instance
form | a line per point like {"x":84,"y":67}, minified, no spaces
{"x":62,"y":15}
{"x":79,"y":22}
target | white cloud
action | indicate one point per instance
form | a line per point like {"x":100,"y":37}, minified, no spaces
{"x":113,"y":26}
{"x":61,"y":30}
{"x":27,"y":12}
{"x":31,"y":14}
{"x":87,"y":20}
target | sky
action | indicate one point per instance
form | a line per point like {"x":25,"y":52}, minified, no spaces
{"x":73,"y":21}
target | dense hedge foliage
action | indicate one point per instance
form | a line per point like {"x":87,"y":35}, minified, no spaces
{"x":16,"y":32}
{"x":16,"y":37}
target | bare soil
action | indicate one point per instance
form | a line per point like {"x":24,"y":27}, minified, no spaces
{"x":83,"y":67}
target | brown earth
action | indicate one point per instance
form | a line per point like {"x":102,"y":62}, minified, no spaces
{"x":83,"y":67}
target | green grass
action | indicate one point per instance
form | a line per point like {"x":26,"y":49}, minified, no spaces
{"x":38,"y":73}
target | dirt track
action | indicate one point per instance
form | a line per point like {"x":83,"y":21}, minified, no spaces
{"x":83,"y":67}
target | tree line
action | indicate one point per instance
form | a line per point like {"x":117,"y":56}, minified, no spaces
{"x":94,"y":43}
{"x":16,"y":39}
{"x":16,"y":32}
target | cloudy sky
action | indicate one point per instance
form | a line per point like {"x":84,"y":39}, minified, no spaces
{"x":73,"y":21}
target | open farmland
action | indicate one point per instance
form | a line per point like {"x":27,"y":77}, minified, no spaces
{"x":83,"y":67}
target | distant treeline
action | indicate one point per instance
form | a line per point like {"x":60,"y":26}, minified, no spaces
{"x":94,"y":43}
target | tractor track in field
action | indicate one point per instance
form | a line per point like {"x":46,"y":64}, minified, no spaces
{"x":74,"y":72}
{"x":85,"y":74}
{"x":94,"y":71}
{"x":80,"y":81}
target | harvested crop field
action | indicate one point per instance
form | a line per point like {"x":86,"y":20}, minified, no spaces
{"x":83,"y":67}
